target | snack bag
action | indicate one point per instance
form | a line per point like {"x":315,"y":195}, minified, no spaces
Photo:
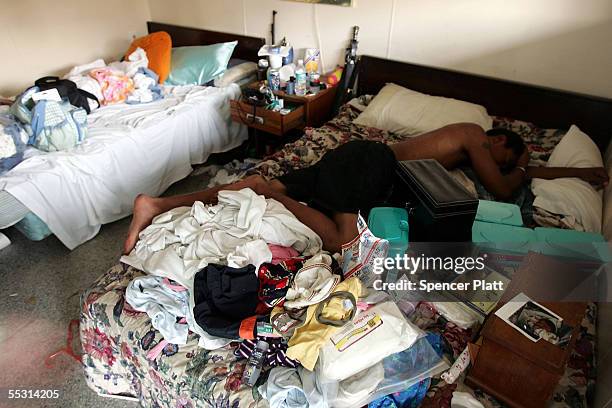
{"x":358,"y":255}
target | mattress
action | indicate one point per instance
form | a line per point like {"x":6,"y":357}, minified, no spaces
{"x":130,"y":149}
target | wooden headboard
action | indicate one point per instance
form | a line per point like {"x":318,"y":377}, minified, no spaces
{"x":184,"y":36}
{"x":545,"y":107}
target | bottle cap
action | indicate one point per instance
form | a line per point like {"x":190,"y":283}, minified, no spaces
{"x":262,"y":345}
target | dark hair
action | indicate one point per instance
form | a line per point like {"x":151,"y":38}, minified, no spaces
{"x":513,"y":140}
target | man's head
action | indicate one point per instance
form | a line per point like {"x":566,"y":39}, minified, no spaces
{"x":506,"y":147}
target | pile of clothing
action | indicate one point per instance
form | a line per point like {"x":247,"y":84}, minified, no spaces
{"x":246,"y":270}
{"x":129,"y":81}
{"x":52,"y":115}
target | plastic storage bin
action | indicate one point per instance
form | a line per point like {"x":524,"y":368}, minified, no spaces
{"x":572,"y":244}
{"x":504,"y":237}
{"x":499,"y":213}
{"x":390,"y":223}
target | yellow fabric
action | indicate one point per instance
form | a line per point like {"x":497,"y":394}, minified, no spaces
{"x":158,"y":47}
{"x":308,"y":339}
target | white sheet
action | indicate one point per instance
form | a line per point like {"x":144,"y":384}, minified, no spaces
{"x":131,"y":149}
{"x":182,"y":241}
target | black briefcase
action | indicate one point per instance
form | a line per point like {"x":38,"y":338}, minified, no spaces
{"x":441,"y":209}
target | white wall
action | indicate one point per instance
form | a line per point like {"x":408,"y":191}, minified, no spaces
{"x":40,"y":37}
{"x":559,"y":43}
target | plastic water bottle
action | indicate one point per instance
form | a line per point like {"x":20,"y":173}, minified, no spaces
{"x":255,"y":364}
{"x":301,"y":85}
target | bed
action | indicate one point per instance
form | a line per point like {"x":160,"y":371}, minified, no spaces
{"x":116,"y":339}
{"x":131,"y":149}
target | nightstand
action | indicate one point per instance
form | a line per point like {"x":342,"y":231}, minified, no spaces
{"x":306,"y":111}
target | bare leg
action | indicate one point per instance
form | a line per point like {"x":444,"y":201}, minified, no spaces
{"x":146,"y":207}
{"x":333,"y":233}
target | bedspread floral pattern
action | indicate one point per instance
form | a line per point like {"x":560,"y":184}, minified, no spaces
{"x":116,"y":340}
{"x":310,"y":148}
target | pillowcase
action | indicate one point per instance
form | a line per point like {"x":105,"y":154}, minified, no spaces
{"x":158,"y":47}
{"x":407,"y":112}
{"x":236,"y":73}
{"x":572,"y":196}
{"x":197,"y":65}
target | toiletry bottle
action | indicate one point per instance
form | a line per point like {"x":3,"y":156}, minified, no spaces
{"x":301,"y":85}
{"x":255,"y":364}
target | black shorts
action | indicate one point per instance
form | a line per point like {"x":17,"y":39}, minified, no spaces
{"x":356,"y":176}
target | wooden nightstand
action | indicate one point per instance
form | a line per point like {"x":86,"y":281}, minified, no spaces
{"x":307,"y":111}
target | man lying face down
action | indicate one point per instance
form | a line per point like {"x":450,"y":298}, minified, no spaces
{"x":359,"y":175}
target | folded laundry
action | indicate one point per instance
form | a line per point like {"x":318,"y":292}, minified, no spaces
{"x":275,"y":356}
{"x":163,"y":302}
{"x":226,"y":300}
{"x":307,"y":339}
{"x":274,"y":280}
{"x":312,"y":283}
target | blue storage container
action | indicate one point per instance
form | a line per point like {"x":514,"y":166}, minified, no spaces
{"x":503,"y":237}
{"x":499,"y":213}
{"x":390,"y":223}
{"x":572,"y":244}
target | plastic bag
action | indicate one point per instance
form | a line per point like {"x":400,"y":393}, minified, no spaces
{"x":406,"y":368}
{"x":358,"y":256}
{"x":372,"y":336}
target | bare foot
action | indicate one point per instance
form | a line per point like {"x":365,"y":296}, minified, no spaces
{"x":145,"y":209}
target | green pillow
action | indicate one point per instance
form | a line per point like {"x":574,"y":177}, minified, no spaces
{"x":199,"y":64}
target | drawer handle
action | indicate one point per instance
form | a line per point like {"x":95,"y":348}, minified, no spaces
{"x":256,"y":119}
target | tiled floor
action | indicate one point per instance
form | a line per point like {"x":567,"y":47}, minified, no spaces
{"x":39,"y":294}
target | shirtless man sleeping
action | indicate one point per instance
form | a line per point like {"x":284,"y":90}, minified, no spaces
{"x":359,"y":175}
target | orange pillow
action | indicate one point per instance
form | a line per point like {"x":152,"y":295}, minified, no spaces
{"x":158,"y":47}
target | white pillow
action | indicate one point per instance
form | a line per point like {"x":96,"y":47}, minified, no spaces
{"x":406,"y":112}
{"x":235,"y":74}
{"x":572,"y":196}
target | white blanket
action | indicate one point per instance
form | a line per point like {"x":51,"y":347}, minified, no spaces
{"x":182,"y":241}
{"x":130,"y":149}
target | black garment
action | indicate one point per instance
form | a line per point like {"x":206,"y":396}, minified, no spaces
{"x":224,"y":297}
{"x":67,"y":90}
{"x":356,"y":176}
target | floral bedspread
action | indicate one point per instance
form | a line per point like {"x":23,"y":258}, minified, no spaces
{"x":310,"y":148}
{"x":116,"y":340}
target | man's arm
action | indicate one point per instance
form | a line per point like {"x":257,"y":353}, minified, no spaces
{"x":502,"y":186}
{"x":597,"y":176}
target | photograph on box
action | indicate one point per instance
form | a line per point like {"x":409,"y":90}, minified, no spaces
{"x":535,"y":321}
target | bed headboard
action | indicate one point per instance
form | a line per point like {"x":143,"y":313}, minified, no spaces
{"x":184,"y":36}
{"x":545,"y":107}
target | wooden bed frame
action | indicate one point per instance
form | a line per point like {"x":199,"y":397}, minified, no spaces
{"x":246,"y":49}
{"x":545,"y":107}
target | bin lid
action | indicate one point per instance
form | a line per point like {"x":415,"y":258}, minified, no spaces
{"x":499,"y":213}
{"x":390,"y":223}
